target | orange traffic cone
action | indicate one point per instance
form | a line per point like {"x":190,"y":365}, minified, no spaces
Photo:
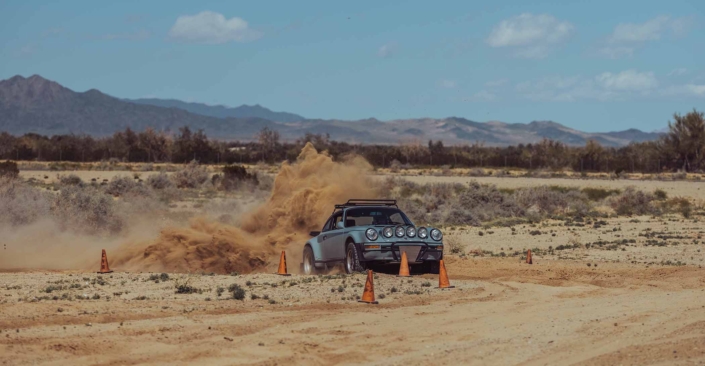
{"x":528,"y":257}
{"x":104,"y":268}
{"x":282,"y":265}
{"x":443,"y":281}
{"x":404,"y":266}
{"x":368,"y":296}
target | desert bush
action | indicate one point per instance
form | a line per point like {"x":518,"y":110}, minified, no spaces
{"x":159,"y":181}
{"x":120,"y":185}
{"x":235,"y":176}
{"x":8,"y":169}
{"x":86,"y":210}
{"x":70,"y":180}
{"x":547,"y":200}
{"x":477,"y":172}
{"x":395,"y":166}
{"x":22,"y":204}
{"x":598,"y":194}
{"x":238,"y":292}
{"x":660,"y":195}
{"x":680,"y":205}
{"x":633,"y":202}
{"x":191,"y":176}
{"x":147,"y":167}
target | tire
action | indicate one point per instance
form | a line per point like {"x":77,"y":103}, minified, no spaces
{"x":432,"y":267}
{"x":352,"y":260}
{"x":309,"y":266}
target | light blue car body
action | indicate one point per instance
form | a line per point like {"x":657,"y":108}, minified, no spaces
{"x":331,"y":245}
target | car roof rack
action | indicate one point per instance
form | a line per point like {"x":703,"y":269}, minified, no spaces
{"x":356,"y":202}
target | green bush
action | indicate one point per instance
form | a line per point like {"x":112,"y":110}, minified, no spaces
{"x":237,"y":291}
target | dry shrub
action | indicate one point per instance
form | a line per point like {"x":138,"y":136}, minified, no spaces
{"x":236,"y":176}
{"x":633,"y":202}
{"x":487,"y":203}
{"x":395,"y":166}
{"x":22,"y":204}
{"x":120,"y":185}
{"x":680,"y":205}
{"x":8,"y":169}
{"x":191,"y":176}
{"x":86,"y":210}
{"x":159,"y":181}
{"x":548,"y":200}
{"x":477,"y":172}
{"x":70,"y":180}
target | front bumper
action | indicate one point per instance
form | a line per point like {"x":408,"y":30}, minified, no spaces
{"x":416,"y":252}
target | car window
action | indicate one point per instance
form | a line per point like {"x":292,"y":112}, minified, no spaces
{"x":375,"y":216}
{"x":332,"y":222}
{"x":326,"y":227}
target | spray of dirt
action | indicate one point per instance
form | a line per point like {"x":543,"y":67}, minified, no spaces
{"x":302,"y":198}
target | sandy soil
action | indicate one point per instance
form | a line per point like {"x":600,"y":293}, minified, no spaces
{"x":600,"y":292}
{"x":673,"y":188}
{"x":502,"y":312}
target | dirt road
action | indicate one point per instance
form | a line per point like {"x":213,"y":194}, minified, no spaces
{"x":502,"y":312}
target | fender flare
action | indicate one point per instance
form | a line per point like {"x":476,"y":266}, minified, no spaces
{"x":357,"y":246}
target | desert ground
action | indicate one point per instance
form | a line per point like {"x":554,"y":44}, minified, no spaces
{"x":601,"y":291}
{"x":502,"y":311}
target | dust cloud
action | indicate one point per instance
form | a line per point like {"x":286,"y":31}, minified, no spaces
{"x":301,"y":200}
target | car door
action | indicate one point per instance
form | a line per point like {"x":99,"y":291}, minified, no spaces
{"x":331,"y":237}
{"x":337,"y":242}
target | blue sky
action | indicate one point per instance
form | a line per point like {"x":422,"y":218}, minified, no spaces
{"x":595,"y":66}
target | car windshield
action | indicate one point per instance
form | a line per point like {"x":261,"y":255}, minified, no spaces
{"x":375,"y":216}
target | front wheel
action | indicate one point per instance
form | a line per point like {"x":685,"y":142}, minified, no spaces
{"x":352,"y":260}
{"x":309,"y":264}
{"x":432,"y":267}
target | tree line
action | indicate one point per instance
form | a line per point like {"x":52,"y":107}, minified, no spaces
{"x":682,"y":148}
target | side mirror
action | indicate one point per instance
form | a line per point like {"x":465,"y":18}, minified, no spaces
{"x":340,"y":225}
{"x":314,"y":233}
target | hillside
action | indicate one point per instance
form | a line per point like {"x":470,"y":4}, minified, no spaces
{"x":219,"y":111}
{"x":37,"y":105}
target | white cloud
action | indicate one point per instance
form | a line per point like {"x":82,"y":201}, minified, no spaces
{"x":604,"y":87}
{"x":532,"y":35}
{"x":629,"y":80}
{"x":698,"y":90}
{"x":481,"y":96}
{"x":678,"y":72}
{"x":496,"y":83}
{"x":627,"y":37}
{"x":649,"y":31}
{"x":212,"y":28}
{"x":691,"y":90}
{"x":387,"y":50}
{"x":615,"y":52}
{"x":448,"y":84}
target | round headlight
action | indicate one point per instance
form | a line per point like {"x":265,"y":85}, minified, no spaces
{"x":411,"y":231}
{"x":399,"y":231}
{"x":371,"y":234}
{"x":436,"y":235}
{"x":388,"y":232}
{"x":422,"y":232}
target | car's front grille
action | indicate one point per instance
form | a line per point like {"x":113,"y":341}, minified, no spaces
{"x":412,"y":252}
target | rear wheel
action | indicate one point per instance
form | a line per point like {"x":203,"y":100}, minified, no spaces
{"x":309,"y":261}
{"x":352,"y":260}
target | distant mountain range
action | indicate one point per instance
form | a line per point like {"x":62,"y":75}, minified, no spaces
{"x":219,"y":111}
{"x":42,"y":106}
